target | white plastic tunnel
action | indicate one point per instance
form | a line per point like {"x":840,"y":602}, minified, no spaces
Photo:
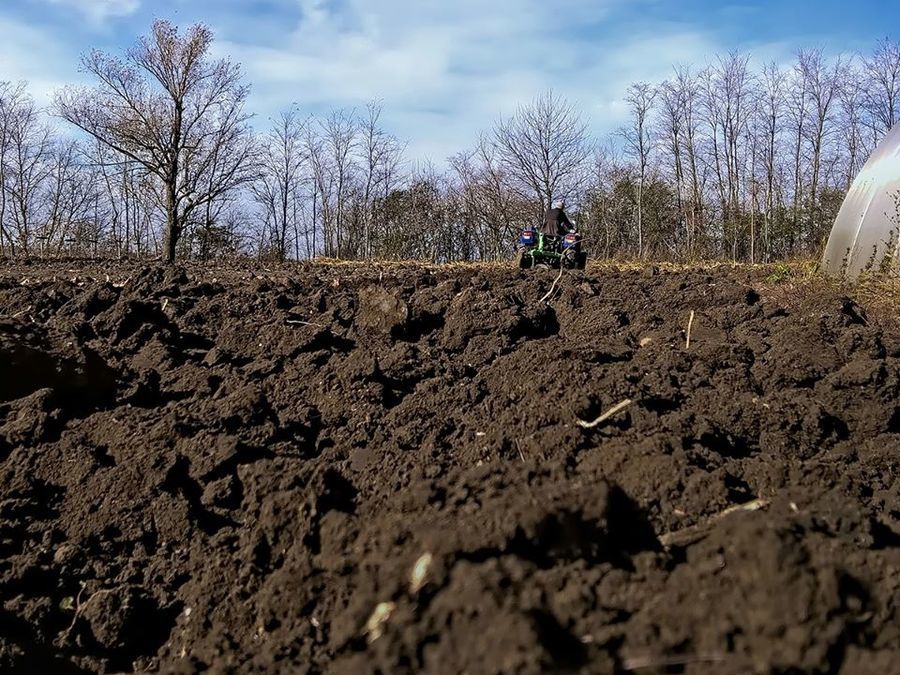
{"x":867,"y":230}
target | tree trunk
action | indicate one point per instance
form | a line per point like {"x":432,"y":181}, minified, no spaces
{"x":640,"y":217}
{"x":173,"y":228}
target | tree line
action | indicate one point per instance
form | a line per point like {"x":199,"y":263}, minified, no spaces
{"x":158,"y":157}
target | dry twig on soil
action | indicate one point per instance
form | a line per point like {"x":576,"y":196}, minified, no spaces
{"x":22,"y":313}
{"x":553,"y":287}
{"x":690,"y":327}
{"x":641,"y":662}
{"x":615,"y":410}
{"x":64,"y":638}
{"x":297,"y":322}
{"x":519,"y":448}
{"x":690,"y":534}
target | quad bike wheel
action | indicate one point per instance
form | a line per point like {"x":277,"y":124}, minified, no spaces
{"x":523,"y":260}
{"x":574,"y":260}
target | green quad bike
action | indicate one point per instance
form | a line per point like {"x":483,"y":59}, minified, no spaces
{"x":543,"y":250}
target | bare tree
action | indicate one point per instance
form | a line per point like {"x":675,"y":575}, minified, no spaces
{"x":672,"y":123}
{"x":381,"y":155}
{"x":504,"y":209}
{"x":882,"y":90}
{"x":130,"y":196}
{"x":822,"y":82}
{"x":543,"y":148}
{"x":727,"y":107}
{"x":26,"y":167}
{"x":770,"y":111}
{"x":172,"y":110}
{"x":639,"y":144}
{"x":797,"y":106}
{"x":72,"y":202}
{"x":331,"y":157}
{"x":341,"y":140}
{"x":736,"y":90}
{"x":12,"y":100}
{"x":606,"y":202}
{"x":278,"y":188}
{"x":687,"y":88}
{"x":852,"y":96}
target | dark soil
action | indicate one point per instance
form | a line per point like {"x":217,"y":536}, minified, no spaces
{"x":379,"y":470}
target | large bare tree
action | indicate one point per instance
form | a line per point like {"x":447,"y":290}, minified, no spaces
{"x":544,"y":148}
{"x":169,"y":107}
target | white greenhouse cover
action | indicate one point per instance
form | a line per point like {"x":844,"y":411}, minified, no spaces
{"x":868,"y":223}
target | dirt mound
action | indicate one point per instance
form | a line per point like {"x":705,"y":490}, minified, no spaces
{"x":343,"y":469}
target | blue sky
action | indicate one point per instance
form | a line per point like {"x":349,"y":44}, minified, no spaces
{"x":444,"y":69}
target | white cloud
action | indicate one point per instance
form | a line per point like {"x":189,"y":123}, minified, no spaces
{"x":98,"y":11}
{"x":447,"y":70}
{"x":33,"y":55}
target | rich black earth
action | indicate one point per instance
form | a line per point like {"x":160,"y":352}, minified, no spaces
{"x":380,"y":470}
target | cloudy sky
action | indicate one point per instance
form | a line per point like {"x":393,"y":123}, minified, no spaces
{"x":444,"y":69}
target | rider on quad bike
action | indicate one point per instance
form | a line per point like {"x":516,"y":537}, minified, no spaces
{"x":556,"y":223}
{"x":555,"y":243}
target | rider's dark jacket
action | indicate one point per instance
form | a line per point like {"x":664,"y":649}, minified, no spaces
{"x":556,"y":223}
